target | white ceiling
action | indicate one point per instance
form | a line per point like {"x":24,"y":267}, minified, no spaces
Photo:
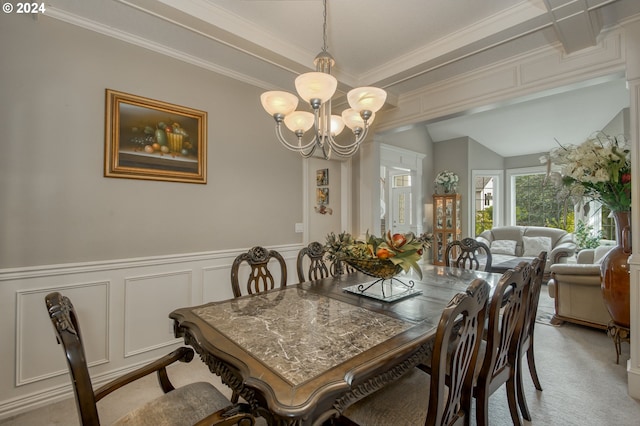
{"x":537,"y":125}
{"x":398,"y":45}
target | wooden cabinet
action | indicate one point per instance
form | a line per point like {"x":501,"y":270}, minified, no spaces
{"x":446,"y":224}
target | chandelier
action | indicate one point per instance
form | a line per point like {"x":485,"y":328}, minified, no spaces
{"x":317,"y":88}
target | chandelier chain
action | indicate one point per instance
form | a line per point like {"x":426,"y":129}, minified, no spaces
{"x":324,"y":27}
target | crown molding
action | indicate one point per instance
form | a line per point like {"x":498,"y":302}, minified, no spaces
{"x":151,"y":45}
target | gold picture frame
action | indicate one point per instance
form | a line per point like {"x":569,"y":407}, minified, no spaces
{"x":154,"y":140}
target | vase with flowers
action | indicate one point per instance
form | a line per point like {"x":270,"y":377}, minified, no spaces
{"x":600,"y":169}
{"x":448,"y":181}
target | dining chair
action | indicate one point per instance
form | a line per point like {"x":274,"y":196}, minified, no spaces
{"x":465,"y":254}
{"x":260,"y":277}
{"x":196,"y":403}
{"x":526,"y":341}
{"x":314,"y":254}
{"x":419,"y":398}
{"x":499,"y":351}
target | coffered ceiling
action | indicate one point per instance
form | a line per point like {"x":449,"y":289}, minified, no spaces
{"x":398,"y":45}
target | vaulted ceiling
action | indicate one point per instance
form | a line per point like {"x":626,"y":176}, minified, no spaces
{"x":398,"y":45}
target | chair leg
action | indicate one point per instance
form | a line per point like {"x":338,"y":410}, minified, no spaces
{"x":513,"y":404}
{"x":522,"y":401}
{"x":482,"y":407}
{"x":532,"y":366}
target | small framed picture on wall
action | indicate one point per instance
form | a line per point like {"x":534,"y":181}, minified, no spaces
{"x":322,"y":196}
{"x":322,"y":177}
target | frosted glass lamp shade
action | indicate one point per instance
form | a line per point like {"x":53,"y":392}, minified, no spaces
{"x":276,"y":102}
{"x":366,"y":98}
{"x":337,"y":125}
{"x":316,"y":85}
{"x":352,"y":119}
{"x":299,"y":121}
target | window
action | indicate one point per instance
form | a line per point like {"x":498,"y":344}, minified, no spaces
{"x":486,"y":200}
{"x":534,"y":202}
{"x":483,"y":203}
{"x":400,"y":181}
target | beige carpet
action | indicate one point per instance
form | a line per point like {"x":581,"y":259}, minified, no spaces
{"x":582,"y":384}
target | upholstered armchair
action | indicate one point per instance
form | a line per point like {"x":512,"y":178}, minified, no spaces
{"x":575,"y":288}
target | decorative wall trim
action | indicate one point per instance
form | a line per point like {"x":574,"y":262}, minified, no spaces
{"x":28,"y":272}
{"x":131,"y":332}
{"x":28,"y":333}
{"x":121,"y":35}
{"x":528,"y":75}
{"x":175,"y":288}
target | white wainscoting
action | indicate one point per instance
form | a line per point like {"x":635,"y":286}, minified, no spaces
{"x":123,"y":307}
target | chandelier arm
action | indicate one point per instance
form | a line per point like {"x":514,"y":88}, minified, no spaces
{"x":346,"y":150}
{"x":300,"y":147}
{"x":343,"y":153}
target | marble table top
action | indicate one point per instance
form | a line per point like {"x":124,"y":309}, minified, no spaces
{"x":300,"y":334}
{"x":301,"y":353}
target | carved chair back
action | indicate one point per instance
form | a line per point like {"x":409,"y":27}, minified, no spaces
{"x":464,"y":254}
{"x":260,"y":277}
{"x":455,"y":354}
{"x":503,"y":334}
{"x":67,"y":330}
{"x":213,"y":408}
{"x":526,"y":340}
{"x":315,"y":253}
{"x":537,"y":274}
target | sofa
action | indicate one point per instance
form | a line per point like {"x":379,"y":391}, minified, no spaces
{"x":576,"y":291}
{"x":509,"y":245}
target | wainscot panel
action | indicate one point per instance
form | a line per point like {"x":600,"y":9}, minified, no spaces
{"x":123,"y":307}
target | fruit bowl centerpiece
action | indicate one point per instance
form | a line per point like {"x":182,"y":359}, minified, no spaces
{"x":382,"y":258}
{"x":375,"y":267}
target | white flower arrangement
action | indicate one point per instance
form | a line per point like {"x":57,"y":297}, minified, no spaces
{"x":446,"y":178}
{"x":599,"y":168}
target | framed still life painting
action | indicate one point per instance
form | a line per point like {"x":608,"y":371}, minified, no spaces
{"x":154,"y":140}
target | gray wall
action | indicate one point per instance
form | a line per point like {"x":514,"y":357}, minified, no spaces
{"x":322,"y":224}
{"x":55,"y":204}
{"x":482,"y":158}
{"x":453,"y":155}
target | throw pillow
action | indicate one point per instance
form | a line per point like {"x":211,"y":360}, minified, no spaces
{"x":503,"y":247}
{"x":534,"y":245}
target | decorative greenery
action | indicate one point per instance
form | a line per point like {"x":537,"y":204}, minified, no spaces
{"x":586,"y":237}
{"x":599,"y":168}
{"x":404,"y":250}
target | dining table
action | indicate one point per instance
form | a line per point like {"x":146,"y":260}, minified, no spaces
{"x":301,"y":354}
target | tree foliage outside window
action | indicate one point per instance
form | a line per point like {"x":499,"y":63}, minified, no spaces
{"x":484,"y":220}
{"x":586,"y":236}
{"x":538,"y":204}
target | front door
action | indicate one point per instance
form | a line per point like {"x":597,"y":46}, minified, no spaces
{"x":401,"y":210}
